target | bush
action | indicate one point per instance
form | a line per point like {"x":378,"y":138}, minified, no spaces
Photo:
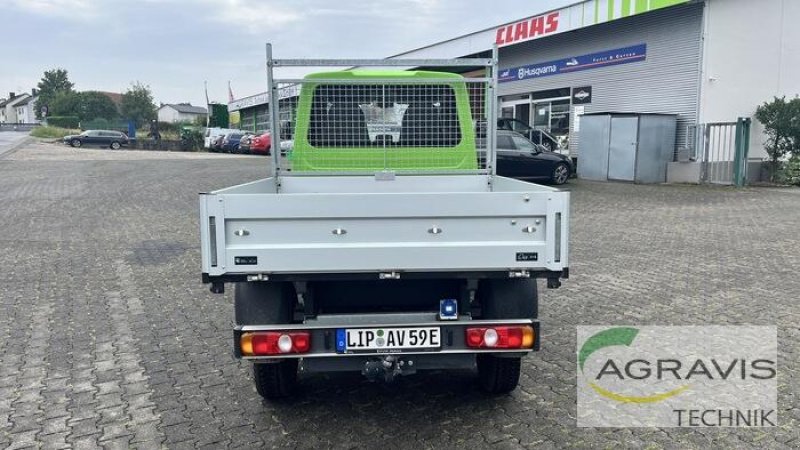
{"x":191,"y":139}
{"x":52,"y":132}
{"x":781,"y":120}
{"x":789,"y":172}
{"x":63,"y":121}
{"x":95,"y":124}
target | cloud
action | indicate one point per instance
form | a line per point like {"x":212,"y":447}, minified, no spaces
{"x":253,"y":17}
{"x":75,"y":9}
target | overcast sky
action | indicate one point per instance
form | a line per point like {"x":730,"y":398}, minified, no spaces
{"x":174,"y":45}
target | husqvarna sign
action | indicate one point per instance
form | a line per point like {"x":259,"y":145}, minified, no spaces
{"x":588,"y":13}
{"x":597,"y":60}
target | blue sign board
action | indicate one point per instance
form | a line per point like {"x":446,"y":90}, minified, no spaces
{"x":575,"y":64}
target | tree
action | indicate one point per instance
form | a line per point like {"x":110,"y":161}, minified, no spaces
{"x":137,"y":104}
{"x":53,"y":82}
{"x":96,"y":105}
{"x":85,"y":105}
{"x":65,"y":103}
{"x":781,"y":120}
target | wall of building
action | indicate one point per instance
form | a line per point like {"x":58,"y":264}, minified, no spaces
{"x":171,"y":115}
{"x":752,"y":54}
{"x":666,"y":82}
{"x":10,"y":110}
{"x":27,"y":113}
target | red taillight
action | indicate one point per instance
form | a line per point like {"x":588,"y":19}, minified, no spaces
{"x":503,"y":337}
{"x":264,"y":343}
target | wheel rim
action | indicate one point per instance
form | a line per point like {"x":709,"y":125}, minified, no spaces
{"x":76,"y":143}
{"x":561,"y":174}
{"x":114,"y":145}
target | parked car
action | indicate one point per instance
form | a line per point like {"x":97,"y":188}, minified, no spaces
{"x":244,"y":143}
{"x":261,"y":143}
{"x":102,"y":138}
{"x":518,"y":157}
{"x":216,"y":143}
{"x":230,"y":143}
{"x":537,"y":136}
{"x":286,"y":147}
{"x":213,"y":133}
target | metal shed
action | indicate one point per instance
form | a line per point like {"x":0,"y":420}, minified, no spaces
{"x":632,"y":147}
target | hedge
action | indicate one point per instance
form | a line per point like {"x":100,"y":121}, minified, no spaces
{"x":63,"y":121}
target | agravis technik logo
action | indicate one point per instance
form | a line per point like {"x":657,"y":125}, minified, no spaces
{"x":677,"y":376}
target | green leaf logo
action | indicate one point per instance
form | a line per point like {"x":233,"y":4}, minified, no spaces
{"x":613,"y":337}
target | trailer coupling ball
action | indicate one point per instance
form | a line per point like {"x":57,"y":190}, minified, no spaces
{"x":386,"y":368}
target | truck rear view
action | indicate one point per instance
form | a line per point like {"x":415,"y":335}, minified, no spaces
{"x":384,"y":243}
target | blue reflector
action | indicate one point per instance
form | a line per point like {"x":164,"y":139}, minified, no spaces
{"x":448,"y":309}
{"x":341,"y":338}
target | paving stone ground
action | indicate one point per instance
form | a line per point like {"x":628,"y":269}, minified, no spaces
{"x":108,"y":338}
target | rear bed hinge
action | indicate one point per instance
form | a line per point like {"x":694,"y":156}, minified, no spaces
{"x":389,"y":275}
{"x":519,"y":274}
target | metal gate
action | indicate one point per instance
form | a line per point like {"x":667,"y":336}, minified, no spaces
{"x":725,"y":147}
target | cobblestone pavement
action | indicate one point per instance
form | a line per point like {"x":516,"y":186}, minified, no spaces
{"x":107,"y":337}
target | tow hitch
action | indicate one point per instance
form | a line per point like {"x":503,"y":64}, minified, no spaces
{"x":386,"y":368}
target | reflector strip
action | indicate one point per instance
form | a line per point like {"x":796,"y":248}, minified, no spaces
{"x":212,"y":235}
{"x":558,"y":238}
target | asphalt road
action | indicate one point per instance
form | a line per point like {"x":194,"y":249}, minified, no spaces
{"x":108,"y":338}
{"x":8,"y":139}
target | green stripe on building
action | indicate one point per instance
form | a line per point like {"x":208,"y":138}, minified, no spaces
{"x":596,"y":11}
{"x":626,"y":8}
{"x":657,"y":4}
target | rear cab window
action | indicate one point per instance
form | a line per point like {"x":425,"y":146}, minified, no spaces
{"x":384,"y":116}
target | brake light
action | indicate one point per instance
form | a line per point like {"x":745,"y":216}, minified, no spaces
{"x":265,"y":343}
{"x":502,"y":337}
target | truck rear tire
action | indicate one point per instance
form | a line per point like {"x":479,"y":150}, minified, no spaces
{"x":263,"y":303}
{"x":498,"y":375}
{"x":268,"y":303}
{"x":276,"y":380}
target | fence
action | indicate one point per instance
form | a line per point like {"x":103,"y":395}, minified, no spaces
{"x":18,"y":126}
{"x":722,"y":148}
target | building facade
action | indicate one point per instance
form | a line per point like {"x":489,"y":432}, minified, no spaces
{"x":253,"y":111}
{"x":26,"y":110}
{"x":181,"y":112}
{"x":10,"y":107}
{"x":704,"y":61}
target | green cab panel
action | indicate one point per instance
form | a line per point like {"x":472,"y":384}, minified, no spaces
{"x":385,"y":125}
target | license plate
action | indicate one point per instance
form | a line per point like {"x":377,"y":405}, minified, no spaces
{"x":387,"y":340}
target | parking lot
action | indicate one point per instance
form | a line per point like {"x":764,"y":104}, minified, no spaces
{"x":108,"y":338}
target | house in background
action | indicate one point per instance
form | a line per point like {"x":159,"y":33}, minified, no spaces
{"x":8,"y":108}
{"x":180,"y":112}
{"x":26,"y":109}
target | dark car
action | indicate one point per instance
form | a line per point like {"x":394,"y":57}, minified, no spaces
{"x":102,"y":138}
{"x":537,"y":136}
{"x":216,"y":143}
{"x":518,"y":157}
{"x":230,"y":142}
{"x":244,"y":143}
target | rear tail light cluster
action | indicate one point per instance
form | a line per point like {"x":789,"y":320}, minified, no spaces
{"x":502,"y":337}
{"x":265,"y":343}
